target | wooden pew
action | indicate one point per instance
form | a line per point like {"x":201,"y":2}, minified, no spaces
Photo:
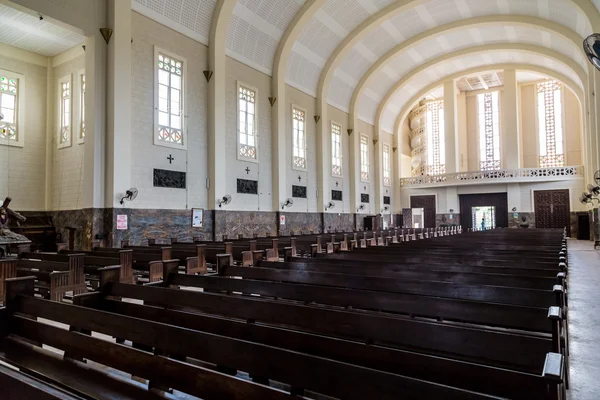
{"x":19,"y":385}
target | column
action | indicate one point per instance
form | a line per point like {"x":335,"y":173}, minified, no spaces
{"x":95,"y":116}
{"x":378,"y":163}
{"x":354,"y":150}
{"x":280,"y":147}
{"x":118,"y":112}
{"x":323,"y":156}
{"x":510,"y":121}
{"x":450,"y":126}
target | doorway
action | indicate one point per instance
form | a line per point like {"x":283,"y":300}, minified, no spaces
{"x":427,"y":203}
{"x":552,"y":209}
{"x":583,"y":226}
{"x":484,"y":218}
{"x":418,"y":217}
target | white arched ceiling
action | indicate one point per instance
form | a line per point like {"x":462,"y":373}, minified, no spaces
{"x":189,"y":17}
{"x":451,"y":64}
{"x":324,"y":33}
{"x":411,"y":57}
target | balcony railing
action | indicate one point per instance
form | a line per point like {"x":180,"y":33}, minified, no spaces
{"x":495,"y":176}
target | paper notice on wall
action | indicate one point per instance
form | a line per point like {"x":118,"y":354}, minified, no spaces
{"x":121,"y":222}
{"x":282,"y":220}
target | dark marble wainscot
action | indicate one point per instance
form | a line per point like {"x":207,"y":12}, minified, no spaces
{"x":334,"y":222}
{"x":156,"y":224}
{"x":297,"y":223}
{"x":245,"y":223}
{"x":446,"y":220}
{"x":524,"y":220}
{"x":574,"y":222}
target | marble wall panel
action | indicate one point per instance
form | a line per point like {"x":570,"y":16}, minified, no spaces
{"x":447,"y":219}
{"x":301,"y":222}
{"x":245,"y":223}
{"x":338,"y":222}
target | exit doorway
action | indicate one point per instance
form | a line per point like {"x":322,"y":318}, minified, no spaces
{"x":483,"y":217}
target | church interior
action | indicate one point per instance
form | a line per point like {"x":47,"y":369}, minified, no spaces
{"x":320,"y":199}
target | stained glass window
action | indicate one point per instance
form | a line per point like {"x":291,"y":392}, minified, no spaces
{"x":247,"y":122}
{"x":387,"y":180}
{"x":65,"y":112}
{"x":550,"y":129}
{"x":170,"y":99}
{"x":364,"y":158}
{"x":336,"y":149}
{"x":299,"y":138}
{"x":489,"y":131}
{"x":9,"y":101}
{"x":436,"y":146}
{"x":82,"y":108}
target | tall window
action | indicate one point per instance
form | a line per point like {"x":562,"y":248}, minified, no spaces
{"x":82,"y":108}
{"x":489,"y":131}
{"x":299,"y":138}
{"x":170,"y":100}
{"x":550,"y":127}
{"x":247,"y":122}
{"x":64,"y":134}
{"x":364,"y":158}
{"x":9,"y":101}
{"x":436,"y":146}
{"x":336,"y":149}
{"x":387,"y":180}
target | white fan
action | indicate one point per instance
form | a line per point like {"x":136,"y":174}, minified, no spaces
{"x":130,"y":195}
{"x":330,"y":205}
{"x":591,"y":46}
{"x":225,"y":200}
{"x":595,"y":190}
{"x":288,"y":203}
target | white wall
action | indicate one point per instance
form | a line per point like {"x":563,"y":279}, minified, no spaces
{"x":145,"y":156}
{"x":22,"y":168}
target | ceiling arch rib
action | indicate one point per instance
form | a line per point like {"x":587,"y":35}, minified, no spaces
{"x":438,"y":68}
{"x":406,"y":56}
{"x":572,"y":85}
{"x":399,"y":21}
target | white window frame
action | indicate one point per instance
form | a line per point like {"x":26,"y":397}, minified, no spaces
{"x":341,"y":152}
{"x":183,"y":103}
{"x":60,"y":126}
{"x":20,"y":102}
{"x":479,"y":135}
{"x":81,"y":122}
{"x":537,"y":127}
{"x":295,"y":139}
{"x":237,"y":119}
{"x":387,"y":170}
{"x":364,"y":159}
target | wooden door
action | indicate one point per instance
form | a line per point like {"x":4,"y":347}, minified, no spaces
{"x":427,"y":203}
{"x":552,"y":209}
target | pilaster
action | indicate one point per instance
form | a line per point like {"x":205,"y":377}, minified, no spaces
{"x":510,"y":121}
{"x":450,"y":126}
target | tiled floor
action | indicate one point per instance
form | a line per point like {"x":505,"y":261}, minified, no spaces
{"x":584,"y":320}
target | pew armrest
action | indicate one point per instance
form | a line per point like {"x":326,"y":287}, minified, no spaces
{"x":554,"y":313}
{"x":553,"y":367}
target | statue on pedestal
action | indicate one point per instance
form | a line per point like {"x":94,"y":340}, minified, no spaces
{"x":7,"y":237}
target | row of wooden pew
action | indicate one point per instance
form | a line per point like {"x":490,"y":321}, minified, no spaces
{"x":477,"y":315}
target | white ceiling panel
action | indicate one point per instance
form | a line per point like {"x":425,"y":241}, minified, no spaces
{"x":27,"y":32}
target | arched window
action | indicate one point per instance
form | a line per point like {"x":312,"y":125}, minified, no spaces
{"x":550,"y":124}
{"x":436,"y":143}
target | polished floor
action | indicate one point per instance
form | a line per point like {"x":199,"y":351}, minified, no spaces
{"x":584,"y":320}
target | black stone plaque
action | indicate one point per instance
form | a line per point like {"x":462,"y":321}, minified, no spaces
{"x":386,"y":200}
{"x":299,"y":191}
{"x":247,"y":186}
{"x":336,"y":195}
{"x":169,"y":179}
{"x":364,"y":197}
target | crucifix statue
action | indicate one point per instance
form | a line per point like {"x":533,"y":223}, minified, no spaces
{"x":6,"y":235}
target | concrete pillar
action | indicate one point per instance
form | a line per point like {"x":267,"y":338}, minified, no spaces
{"x":462,"y":155}
{"x":280,"y":147}
{"x":95,"y":117}
{"x":378,"y":169}
{"x":118,"y":93}
{"x":510,"y":121}
{"x":354,"y":150}
{"x":323,"y":143}
{"x":450,"y":126}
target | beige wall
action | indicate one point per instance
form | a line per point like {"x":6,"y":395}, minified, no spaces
{"x":22,"y":176}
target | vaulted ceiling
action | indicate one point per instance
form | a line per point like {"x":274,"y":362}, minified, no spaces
{"x":374,"y":58}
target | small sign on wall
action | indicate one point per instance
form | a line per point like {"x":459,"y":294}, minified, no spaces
{"x":121,"y":222}
{"x":197,"y":217}
{"x":282,"y":220}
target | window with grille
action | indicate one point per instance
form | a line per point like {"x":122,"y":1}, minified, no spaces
{"x":299,"y":138}
{"x":364,"y":158}
{"x":9,"y":106}
{"x":336,"y":149}
{"x":489,"y":131}
{"x":387,"y":180}
{"x":550,"y":124}
{"x":247,"y":145}
{"x":82,"y":108}
{"x":436,"y":146}
{"x":170,"y":115}
{"x":64,"y":132}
